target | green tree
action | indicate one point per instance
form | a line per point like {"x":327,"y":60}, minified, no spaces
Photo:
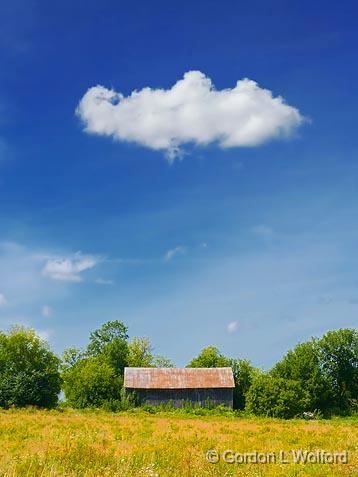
{"x":110,"y":342}
{"x":95,"y":376}
{"x":209,"y":357}
{"x":91,"y":382}
{"x":108,"y":333}
{"x":70,"y":357}
{"x":140,"y":353}
{"x":303,"y":364}
{"x":29,"y":371}
{"x":244,"y":374}
{"x":162,"y":362}
{"x":276,"y":397}
{"x":338,"y":352}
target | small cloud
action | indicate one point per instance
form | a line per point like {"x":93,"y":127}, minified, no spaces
{"x":173,"y":252}
{"x":263,"y":231}
{"x":191,"y":111}
{"x":3,"y":300}
{"x":232,"y":326}
{"x":102,"y":281}
{"x":69,"y":269}
{"x":203,"y":245}
{"x":46,"y":311}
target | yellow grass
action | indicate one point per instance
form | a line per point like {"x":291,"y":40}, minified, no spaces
{"x":53,"y":443}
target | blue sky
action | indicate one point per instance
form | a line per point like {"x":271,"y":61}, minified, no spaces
{"x":245,"y":241}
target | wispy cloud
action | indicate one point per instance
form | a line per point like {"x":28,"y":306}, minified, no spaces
{"x":173,"y":252}
{"x":191,"y":111}
{"x":69,"y":268}
{"x":232,"y":326}
{"x":46,"y":311}
{"x":3,"y":300}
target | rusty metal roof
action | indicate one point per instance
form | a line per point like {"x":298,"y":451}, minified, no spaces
{"x":178,"y":378}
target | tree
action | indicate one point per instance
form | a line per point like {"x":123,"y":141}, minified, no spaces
{"x":140,"y":353}
{"x":276,"y":397}
{"x":162,"y":362}
{"x":108,"y":333}
{"x":70,"y":357}
{"x":209,"y":357}
{"x":91,"y":382}
{"x":244,"y":374}
{"x":303,"y":364}
{"x":338,"y":352}
{"x":110,"y":342}
{"x":29,"y":371}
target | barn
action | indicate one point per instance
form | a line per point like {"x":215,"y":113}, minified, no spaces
{"x":179,"y":385}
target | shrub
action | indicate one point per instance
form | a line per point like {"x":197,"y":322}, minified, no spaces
{"x":29,"y":371}
{"x":276,"y":397}
{"x":90,"y":383}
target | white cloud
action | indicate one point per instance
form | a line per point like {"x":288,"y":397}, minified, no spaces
{"x":3,"y":300}
{"x":233,"y":326}
{"x":173,"y":252}
{"x":191,"y":111}
{"x":69,"y":269}
{"x":46,"y":311}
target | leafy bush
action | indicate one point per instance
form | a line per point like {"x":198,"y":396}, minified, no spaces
{"x":303,"y":364}
{"x":276,"y":397}
{"x":338,"y":353}
{"x":29,"y":371}
{"x":327,"y":368}
{"x":90,"y":383}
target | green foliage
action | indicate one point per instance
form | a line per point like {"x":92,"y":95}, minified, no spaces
{"x":109,"y":332}
{"x":162,"y":362}
{"x":338,"y":352}
{"x":327,"y":368}
{"x":303,"y":364}
{"x":70,"y":357}
{"x":244,"y":374}
{"x":209,"y":357}
{"x":91,"y":382}
{"x":140,"y":353}
{"x":29,"y":371}
{"x":110,"y":342}
{"x":276,"y":397}
{"x":95,"y":378}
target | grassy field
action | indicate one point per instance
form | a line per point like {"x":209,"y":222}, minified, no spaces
{"x":69,"y":443}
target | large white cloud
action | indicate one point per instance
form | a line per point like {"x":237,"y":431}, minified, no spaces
{"x":192,"y":111}
{"x":69,"y":269}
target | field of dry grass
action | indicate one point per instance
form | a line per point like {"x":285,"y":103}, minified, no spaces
{"x":98,"y":444}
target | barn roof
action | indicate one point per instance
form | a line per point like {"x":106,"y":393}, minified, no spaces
{"x":178,"y":378}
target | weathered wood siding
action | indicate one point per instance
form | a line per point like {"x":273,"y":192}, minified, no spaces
{"x":178,"y":397}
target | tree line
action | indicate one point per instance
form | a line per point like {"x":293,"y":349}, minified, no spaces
{"x":317,"y":377}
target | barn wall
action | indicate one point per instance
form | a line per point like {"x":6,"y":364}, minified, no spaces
{"x":177,"y":397}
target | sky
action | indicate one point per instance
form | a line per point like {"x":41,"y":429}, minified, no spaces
{"x":189,"y":168}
